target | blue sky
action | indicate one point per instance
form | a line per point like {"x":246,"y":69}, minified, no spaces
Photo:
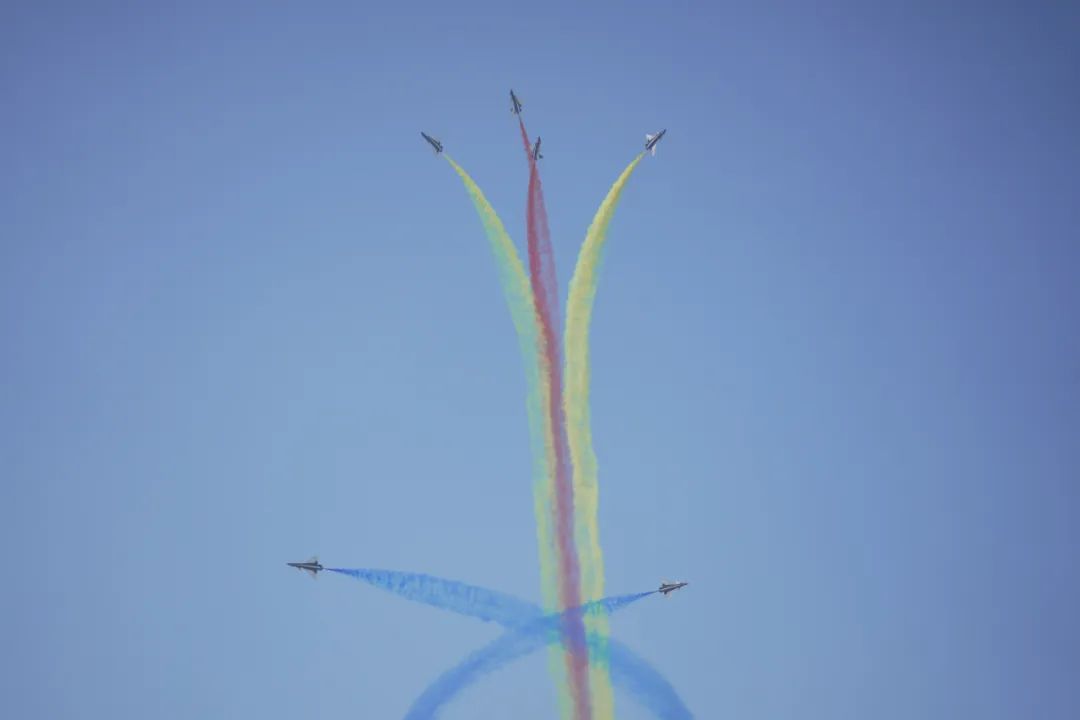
{"x":248,"y":317}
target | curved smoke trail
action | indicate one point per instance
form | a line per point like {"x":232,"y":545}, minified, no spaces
{"x":579,"y":307}
{"x":596,"y":694}
{"x":562,"y":574}
{"x":510,"y":646}
{"x":629,"y":671}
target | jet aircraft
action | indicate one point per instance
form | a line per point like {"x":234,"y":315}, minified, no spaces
{"x":667,"y":587}
{"x":433,"y":142}
{"x":652,"y":139}
{"x":536,"y":149}
{"x":515,"y":104}
{"x":312,"y":566}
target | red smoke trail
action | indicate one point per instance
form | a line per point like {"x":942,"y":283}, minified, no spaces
{"x":545,"y":291}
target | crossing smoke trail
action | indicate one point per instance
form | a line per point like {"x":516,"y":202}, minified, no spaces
{"x":579,"y":306}
{"x":629,"y":671}
{"x":590,"y":691}
{"x":563,"y":573}
{"x":510,"y":646}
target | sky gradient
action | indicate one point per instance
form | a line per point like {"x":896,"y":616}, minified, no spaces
{"x":247,"y":317}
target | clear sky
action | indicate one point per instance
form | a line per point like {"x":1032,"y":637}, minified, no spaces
{"x":246,"y":317}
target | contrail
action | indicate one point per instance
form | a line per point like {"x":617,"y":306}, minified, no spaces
{"x":510,"y":646}
{"x":587,"y":685}
{"x":579,"y":307}
{"x":563,"y":573}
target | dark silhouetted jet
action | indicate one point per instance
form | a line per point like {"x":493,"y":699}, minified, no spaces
{"x":312,"y":566}
{"x":666,"y":587}
{"x":515,"y":104}
{"x":652,"y":139}
{"x":536,"y":149}
{"x":433,"y":142}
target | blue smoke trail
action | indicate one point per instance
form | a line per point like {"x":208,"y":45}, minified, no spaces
{"x":633,"y":673}
{"x":510,"y":646}
{"x":458,"y":597}
{"x":628,"y":670}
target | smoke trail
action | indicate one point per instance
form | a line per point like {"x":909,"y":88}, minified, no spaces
{"x":562,"y":574}
{"x":545,"y":284}
{"x":586,"y":491}
{"x":629,"y":671}
{"x":635,"y":675}
{"x":585,"y":685}
{"x":458,"y":597}
{"x":510,"y":646}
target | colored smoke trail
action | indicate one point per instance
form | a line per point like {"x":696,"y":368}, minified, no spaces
{"x":464,"y":599}
{"x":562,"y":574}
{"x":629,"y":671}
{"x":579,"y":307}
{"x":545,"y":284}
{"x":510,"y":646}
{"x":586,"y":687}
{"x":518,"y":293}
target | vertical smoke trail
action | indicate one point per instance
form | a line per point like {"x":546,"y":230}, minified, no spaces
{"x":514,"y":644}
{"x":545,"y":292}
{"x":545,"y":285}
{"x":564,"y":576}
{"x":579,"y":307}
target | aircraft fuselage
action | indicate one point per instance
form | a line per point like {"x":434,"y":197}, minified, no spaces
{"x":668,"y":588}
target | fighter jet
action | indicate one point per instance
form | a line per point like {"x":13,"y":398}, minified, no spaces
{"x":433,"y":142}
{"x":312,"y":566}
{"x":667,"y":587}
{"x":651,"y":140}
{"x":515,"y":104}
{"x":536,"y":149}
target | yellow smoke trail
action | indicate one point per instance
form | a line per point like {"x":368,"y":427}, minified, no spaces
{"x":519,"y":296}
{"x":579,"y":306}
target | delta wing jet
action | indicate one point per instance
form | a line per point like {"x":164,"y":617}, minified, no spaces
{"x":312,"y":566}
{"x":667,"y":587}
{"x":433,"y":142}
{"x":651,"y":140}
